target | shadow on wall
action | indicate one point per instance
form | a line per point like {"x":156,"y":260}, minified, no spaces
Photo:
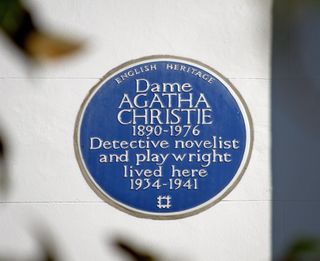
{"x":296,"y":129}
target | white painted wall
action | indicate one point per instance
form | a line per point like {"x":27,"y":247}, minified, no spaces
{"x":38,"y":108}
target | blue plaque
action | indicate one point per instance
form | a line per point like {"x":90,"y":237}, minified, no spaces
{"x":163,"y":137}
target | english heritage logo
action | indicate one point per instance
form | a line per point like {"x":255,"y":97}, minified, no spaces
{"x":163,"y":137}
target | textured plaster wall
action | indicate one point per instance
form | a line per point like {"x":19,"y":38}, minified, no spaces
{"x":38,"y":108}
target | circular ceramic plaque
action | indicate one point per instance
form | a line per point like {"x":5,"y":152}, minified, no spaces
{"x":163,"y":137}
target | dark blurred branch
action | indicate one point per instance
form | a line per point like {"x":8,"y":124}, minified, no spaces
{"x":135,"y":254}
{"x":47,"y":246}
{"x":4,"y":177}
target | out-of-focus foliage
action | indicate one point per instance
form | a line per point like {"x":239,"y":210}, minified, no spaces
{"x":17,"y":24}
{"x":304,"y":250}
